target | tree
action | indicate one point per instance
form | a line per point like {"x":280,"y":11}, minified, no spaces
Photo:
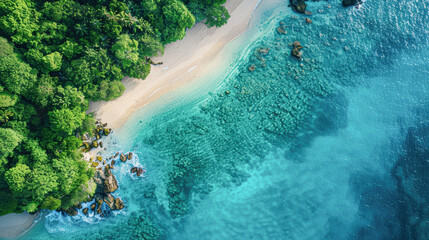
{"x":52,"y":62}
{"x":7,"y":99}
{"x":18,"y":178}
{"x":177,"y":19}
{"x":51,"y":203}
{"x":9,"y":140}
{"x":126,"y":50}
{"x":18,"y":20}
{"x":217,"y":16}
{"x":65,"y":120}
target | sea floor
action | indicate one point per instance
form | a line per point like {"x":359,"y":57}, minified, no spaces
{"x":317,"y":148}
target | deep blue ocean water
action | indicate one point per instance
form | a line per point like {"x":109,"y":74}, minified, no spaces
{"x":334,"y":146}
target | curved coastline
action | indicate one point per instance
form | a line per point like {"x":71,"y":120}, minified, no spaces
{"x":14,"y":225}
{"x":194,"y":56}
{"x":183,"y":61}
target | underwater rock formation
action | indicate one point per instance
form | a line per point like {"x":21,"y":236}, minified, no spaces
{"x":298,"y":5}
{"x":349,"y":2}
{"x":412,"y":177}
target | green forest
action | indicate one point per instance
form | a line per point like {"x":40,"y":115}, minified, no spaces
{"x":56,"y":56}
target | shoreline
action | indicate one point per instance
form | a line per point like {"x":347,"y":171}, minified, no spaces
{"x":15,"y":225}
{"x":183,"y":61}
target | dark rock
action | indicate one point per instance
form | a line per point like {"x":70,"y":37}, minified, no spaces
{"x":93,"y":206}
{"x":78,"y":205}
{"x":107,"y":131}
{"x":116,"y":155}
{"x":119,"y":204}
{"x":85,"y":211}
{"x":123,"y":158}
{"x":110,"y":201}
{"x":137,"y":170}
{"x":252,"y":67}
{"x":71,"y":211}
{"x":110,"y":183}
{"x":227,"y":92}
{"x":130,"y":155}
{"x":308,"y":20}
{"x":296,"y":53}
{"x":101,"y":144}
{"x":94,"y":144}
{"x":347,"y":3}
{"x":296,"y":49}
{"x":298,"y":5}
{"x":112,"y":163}
{"x":297,"y":44}
{"x":281,"y":30}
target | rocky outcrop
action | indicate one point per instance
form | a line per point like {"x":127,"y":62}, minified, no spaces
{"x":347,"y":3}
{"x":123,"y":158}
{"x":119,"y":204}
{"x":71,"y":211}
{"x":85,"y":211}
{"x":298,"y":5}
{"x":296,"y":51}
{"x":137,"y":170}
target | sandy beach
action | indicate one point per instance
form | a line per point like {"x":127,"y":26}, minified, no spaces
{"x":13,"y":225}
{"x":183,"y":62}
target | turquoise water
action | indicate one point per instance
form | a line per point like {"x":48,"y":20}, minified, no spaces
{"x":298,"y":150}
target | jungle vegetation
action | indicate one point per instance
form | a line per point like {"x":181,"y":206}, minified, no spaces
{"x":57,"y":55}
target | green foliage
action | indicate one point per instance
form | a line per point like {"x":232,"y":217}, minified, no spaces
{"x":52,"y":62}
{"x":17,"y":178}
{"x":65,"y":120}
{"x":51,"y":203}
{"x":126,"y":50}
{"x":54,"y":57}
{"x":7,"y":99}
{"x":9,"y":140}
{"x":18,"y":20}
{"x":177,"y":19}
{"x":8,"y":203}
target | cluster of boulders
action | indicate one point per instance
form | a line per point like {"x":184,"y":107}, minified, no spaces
{"x":106,"y":184}
{"x":347,"y":3}
{"x":296,"y":51}
{"x":100,"y":130}
{"x":259,"y":53}
{"x":300,"y":6}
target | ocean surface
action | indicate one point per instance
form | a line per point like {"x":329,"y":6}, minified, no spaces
{"x":332,"y":146}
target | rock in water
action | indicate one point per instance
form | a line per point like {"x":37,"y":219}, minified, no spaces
{"x":110,"y":183}
{"x":123,"y":158}
{"x":347,"y":3}
{"x":85,"y":211}
{"x":71,"y":211}
{"x":281,"y":30}
{"x":137,"y":170}
{"x":110,"y":201}
{"x":296,"y":49}
{"x":93,"y":206}
{"x":252,"y":67}
{"x":298,"y":5}
{"x":130,"y":155}
{"x":119,"y":204}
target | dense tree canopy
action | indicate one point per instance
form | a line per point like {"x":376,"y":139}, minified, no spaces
{"x":57,"y":55}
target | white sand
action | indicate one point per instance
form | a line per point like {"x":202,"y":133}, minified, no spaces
{"x":183,"y":61}
{"x":13,"y":225}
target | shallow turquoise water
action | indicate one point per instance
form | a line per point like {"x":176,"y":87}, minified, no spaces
{"x":297,"y":150}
